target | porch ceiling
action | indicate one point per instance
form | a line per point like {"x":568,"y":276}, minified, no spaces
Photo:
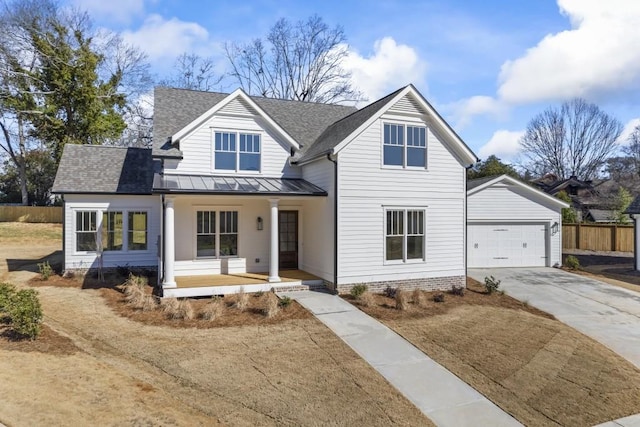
{"x":205,"y":184}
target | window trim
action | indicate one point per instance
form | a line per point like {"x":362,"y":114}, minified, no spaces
{"x":237,"y":133}
{"x":216,"y":210}
{"x":405,"y":260}
{"x":405,"y":146}
{"x":100,"y":211}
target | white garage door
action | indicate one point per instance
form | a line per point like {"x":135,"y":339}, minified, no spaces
{"x":507,"y":245}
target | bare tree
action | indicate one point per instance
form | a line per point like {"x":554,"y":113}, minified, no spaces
{"x":632,"y":149}
{"x":194,"y":72}
{"x":301,"y":61}
{"x":573,"y":140}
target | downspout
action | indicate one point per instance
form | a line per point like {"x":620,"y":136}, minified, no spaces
{"x":466,"y":221}
{"x":335,"y":222}
{"x":64,"y":235}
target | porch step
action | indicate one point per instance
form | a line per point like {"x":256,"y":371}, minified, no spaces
{"x":201,"y":291}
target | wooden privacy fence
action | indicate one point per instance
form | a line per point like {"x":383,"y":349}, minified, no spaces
{"x":598,"y":237}
{"x":31,"y":214}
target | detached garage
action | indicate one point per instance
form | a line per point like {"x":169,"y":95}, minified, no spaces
{"x":511,"y":224}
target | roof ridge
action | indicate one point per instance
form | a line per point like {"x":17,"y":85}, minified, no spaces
{"x":120,"y":147}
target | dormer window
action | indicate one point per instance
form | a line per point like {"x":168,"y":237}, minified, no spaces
{"x":404,"y":146}
{"x":236,"y":151}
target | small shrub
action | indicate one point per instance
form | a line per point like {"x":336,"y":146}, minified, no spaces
{"x":573,"y":262}
{"x":45,"y":270}
{"x":418,"y":297}
{"x":457,"y":290}
{"x":358,"y":290}
{"x":183,"y":310}
{"x":148,"y":303}
{"x":259,"y":294}
{"x":169,"y":305}
{"x":285,"y":302}
{"x":402,"y":300}
{"x":491,"y":284}
{"x":213,"y":309}
{"x":7,"y":292}
{"x":438,"y":297}
{"x":390,"y":292}
{"x":367,"y":299}
{"x":26,"y":313}
{"x":242,"y":300}
{"x":271,"y":304}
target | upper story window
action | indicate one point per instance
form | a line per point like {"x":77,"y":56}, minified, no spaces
{"x":230,"y":155}
{"x":404,"y":146}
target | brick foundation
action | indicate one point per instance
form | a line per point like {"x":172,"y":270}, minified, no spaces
{"x":427,"y":283}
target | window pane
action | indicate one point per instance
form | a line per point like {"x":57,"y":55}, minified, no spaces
{"x":225,"y":161}
{"x":206,"y":246}
{"x":228,"y":244}
{"x":394,"y":247}
{"x":249,"y":162}
{"x":415,"y":247}
{"x":137,"y":231}
{"x":416,"y":156}
{"x":86,"y":241}
{"x":112,"y":231}
{"x":218,"y":144}
{"x":393,"y":155}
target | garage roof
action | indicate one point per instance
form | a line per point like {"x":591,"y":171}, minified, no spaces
{"x":476,"y":185}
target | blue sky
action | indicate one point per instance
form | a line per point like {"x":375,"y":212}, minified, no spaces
{"x":488,"y":67}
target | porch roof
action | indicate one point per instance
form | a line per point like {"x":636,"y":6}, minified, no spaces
{"x":232,"y":185}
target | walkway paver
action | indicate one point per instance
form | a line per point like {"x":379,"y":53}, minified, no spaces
{"x":630,"y":421}
{"x":439,"y":394}
{"x":609,"y":314}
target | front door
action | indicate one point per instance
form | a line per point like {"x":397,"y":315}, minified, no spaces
{"x":288,"y":239}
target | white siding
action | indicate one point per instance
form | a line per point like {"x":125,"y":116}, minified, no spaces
{"x":197,"y":147}
{"x":81,"y":260}
{"x":319,"y":222}
{"x":507,"y":203}
{"x":366,"y":187}
{"x":405,"y":105}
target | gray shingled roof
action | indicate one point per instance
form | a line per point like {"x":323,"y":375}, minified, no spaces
{"x":634,"y":207}
{"x":176,"y":108}
{"x":102,"y":169}
{"x":341,"y":129}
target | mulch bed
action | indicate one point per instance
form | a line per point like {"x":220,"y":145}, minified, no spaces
{"x":48,"y":341}
{"x":384,"y":308}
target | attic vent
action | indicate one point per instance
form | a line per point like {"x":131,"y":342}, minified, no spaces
{"x":406,"y":105}
{"x":238,"y":107}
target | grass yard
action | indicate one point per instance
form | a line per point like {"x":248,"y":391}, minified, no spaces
{"x":97,"y":362}
{"x":532,"y":366}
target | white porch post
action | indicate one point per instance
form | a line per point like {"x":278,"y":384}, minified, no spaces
{"x":636,"y":241}
{"x":273,"y":260}
{"x":169,"y":244}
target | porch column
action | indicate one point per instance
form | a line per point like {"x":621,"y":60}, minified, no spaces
{"x":636,"y":241}
{"x":274,"y":261}
{"x":169,"y":244}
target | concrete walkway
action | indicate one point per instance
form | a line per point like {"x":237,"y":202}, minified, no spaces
{"x":609,"y":314}
{"x":439,"y":394}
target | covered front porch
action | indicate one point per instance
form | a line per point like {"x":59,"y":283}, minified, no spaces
{"x":249,"y":234}
{"x":223,"y":284}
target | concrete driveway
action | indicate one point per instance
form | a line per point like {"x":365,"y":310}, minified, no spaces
{"x":606,"y":313}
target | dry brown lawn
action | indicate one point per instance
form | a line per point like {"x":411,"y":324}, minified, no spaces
{"x":532,"y":366}
{"x":100,"y":363}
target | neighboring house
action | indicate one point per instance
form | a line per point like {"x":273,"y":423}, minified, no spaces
{"x":593,"y":201}
{"x":512,"y":224}
{"x":237,"y":184}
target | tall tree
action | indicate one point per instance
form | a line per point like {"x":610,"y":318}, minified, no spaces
{"x":40,"y":169}
{"x":573,"y":140}
{"x":569,"y":215}
{"x":632,"y":149}
{"x":192,"y":71}
{"x":491,"y":166}
{"x":302,"y":61}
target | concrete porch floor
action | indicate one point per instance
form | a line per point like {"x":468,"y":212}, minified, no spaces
{"x":243,"y":279}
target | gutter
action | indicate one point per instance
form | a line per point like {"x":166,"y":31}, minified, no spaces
{"x":64,"y":234}
{"x":335,"y":222}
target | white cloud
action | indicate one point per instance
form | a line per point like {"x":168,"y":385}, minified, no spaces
{"x":117,"y":10}
{"x":504,"y":144}
{"x":465,"y":109}
{"x":166,"y":39}
{"x":629,"y":127}
{"x":391,"y":66}
{"x":598,"y":55}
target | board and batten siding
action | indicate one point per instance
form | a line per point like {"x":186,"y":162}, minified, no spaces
{"x":366,"y":187}
{"x":75,"y":260}
{"x":319,"y":221}
{"x":197,"y":146}
{"x":510,"y":204}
